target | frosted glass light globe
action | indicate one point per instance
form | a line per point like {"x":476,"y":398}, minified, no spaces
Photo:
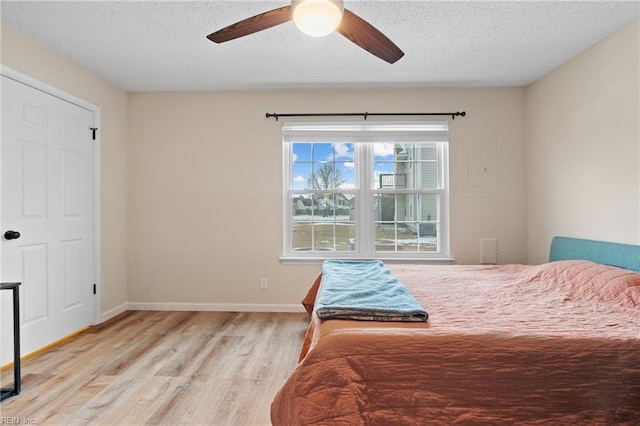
{"x":317,"y":18}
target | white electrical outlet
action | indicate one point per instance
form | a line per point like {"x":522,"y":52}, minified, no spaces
{"x":263,"y":283}
{"x":488,"y":251}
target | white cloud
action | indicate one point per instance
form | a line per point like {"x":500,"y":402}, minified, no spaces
{"x":383,"y":149}
{"x":299,"y":179}
{"x":343,"y":150}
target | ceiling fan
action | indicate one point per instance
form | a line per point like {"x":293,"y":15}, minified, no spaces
{"x":317,"y":18}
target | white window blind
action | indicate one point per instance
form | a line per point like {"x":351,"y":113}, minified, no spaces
{"x":356,"y":132}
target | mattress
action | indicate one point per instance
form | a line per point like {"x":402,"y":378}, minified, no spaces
{"x":557,"y":343}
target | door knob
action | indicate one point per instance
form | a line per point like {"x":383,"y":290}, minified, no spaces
{"x":12,"y":235}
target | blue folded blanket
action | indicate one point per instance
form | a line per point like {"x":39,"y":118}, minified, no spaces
{"x":365,"y":290}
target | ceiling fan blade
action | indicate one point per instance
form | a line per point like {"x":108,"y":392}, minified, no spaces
{"x":252,"y":25}
{"x":368,"y":37}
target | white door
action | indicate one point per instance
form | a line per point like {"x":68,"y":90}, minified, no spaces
{"x":47,"y":196}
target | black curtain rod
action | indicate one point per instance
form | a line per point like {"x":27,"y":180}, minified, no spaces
{"x":368,"y":114}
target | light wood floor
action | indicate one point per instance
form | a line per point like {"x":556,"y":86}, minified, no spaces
{"x":173,"y":368}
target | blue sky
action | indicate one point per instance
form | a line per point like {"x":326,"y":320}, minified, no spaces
{"x":307,"y":156}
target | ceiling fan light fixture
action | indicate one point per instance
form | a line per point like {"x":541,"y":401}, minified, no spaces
{"x":317,"y":18}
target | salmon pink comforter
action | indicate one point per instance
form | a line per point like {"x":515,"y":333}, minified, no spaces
{"x":557,"y":343}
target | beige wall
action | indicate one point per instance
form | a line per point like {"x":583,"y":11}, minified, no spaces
{"x":205,"y":187}
{"x":583,"y":147}
{"x":26,"y":55}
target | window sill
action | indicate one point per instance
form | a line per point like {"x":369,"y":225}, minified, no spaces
{"x":290,"y":260}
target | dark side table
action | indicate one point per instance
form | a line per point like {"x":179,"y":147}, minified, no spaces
{"x":7,"y":392}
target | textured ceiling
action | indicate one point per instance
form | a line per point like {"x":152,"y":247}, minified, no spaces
{"x":147,"y":46}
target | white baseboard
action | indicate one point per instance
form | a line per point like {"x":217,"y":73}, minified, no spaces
{"x":221,"y":307}
{"x":113,"y":312}
{"x":215,"y":307}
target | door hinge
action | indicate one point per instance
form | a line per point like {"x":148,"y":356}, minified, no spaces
{"x":93,"y":130}
{"x":94,"y":289}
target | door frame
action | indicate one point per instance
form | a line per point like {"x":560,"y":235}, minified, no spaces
{"x":97,"y":195}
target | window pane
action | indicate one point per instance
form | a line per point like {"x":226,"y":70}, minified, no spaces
{"x":301,"y":165}
{"x":384,"y":207}
{"x":344,"y":165}
{"x":429,"y":151}
{"x":428,"y":236}
{"x":324,"y":202}
{"x":425,"y":166}
{"x":344,"y":207}
{"x":345,"y":236}
{"x":426,"y":207}
{"x":300,"y":176}
{"x":323,"y":234}
{"x":406,"y":222}
{"x":322,"y":166}
{"x":388,"y":179}
{"x":406,"y":166}
{"x":406,"y":237}
{"x":416,"y":207}
{"x":426,"y":176}
{"x":303,"y":207}
{"x":323,"y":222}
{"x":302,"y":237}
{"x":345,"y":177}
{"x":322,"y":152}
{"x":392,"y":237}
{"x":343,"y":152}
{"x":424,"y":221}
{"x":327,"y":176}
{"x":330,"y":236}
{"x":301,"y":152}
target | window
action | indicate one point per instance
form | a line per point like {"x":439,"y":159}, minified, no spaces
{"x":365,"y":190}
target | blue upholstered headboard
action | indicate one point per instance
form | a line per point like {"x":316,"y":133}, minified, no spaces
{"x":615,"y":254}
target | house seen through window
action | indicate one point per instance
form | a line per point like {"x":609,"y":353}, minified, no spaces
{"x":355,"y":190}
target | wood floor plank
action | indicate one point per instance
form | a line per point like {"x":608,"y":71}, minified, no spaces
{"x":151,"y":367}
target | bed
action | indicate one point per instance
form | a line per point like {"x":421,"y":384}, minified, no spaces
{"x":557,"y":343}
